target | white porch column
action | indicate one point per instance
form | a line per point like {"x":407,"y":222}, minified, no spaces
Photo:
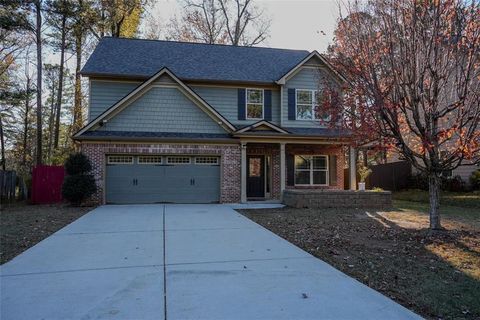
{"x":243,"y":170}
{"x":353,"y":168}
{"x":282,"y":169}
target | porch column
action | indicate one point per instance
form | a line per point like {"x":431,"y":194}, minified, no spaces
{"x":282,"y":169}
{"x":353,"y":168}
{"x":243,"y":170}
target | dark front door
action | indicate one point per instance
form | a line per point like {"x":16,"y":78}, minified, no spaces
{"x":255,"y":176}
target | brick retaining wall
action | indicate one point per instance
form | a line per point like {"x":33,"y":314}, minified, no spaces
{"x":337,"y":199}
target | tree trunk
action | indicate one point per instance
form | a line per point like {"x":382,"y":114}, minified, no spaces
{"x":434,"y":194}
{"x":38,"y":34}
{"x":25,"y":124}
{"x":2,"y":144}
{"x":77,"y":107}
{"x":60,"y":85}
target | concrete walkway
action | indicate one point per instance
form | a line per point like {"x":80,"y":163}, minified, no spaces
{"x":179,"y":262}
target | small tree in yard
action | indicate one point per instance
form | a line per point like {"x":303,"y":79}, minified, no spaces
{"x":79,"y":184}
{"x":413,"y":70}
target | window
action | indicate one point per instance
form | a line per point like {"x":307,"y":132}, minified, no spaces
{"x":178,"y":160}
{"x":149,"y":159}
{"x":206,"y":160}
{"x":311,"y":170}
{"x":254,"y":104}
{"x":307,"y":105}
{"x":120,"y":159}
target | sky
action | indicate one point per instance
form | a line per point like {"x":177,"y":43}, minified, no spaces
{"x":295,"y":24}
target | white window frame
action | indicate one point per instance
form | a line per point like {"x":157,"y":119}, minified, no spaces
{"x":207,"y":163}
{"x":119,"y":155}
{"x":149,"y":163}
{"x":179,"y":163}
{"x":246,"y":104}
{"x":311,"y":170}
{"x":314,"y":114}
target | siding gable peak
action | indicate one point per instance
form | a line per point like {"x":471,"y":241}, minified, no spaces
{"x":163,"y":78}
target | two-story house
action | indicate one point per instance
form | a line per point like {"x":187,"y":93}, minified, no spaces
{"x":198,"y":123}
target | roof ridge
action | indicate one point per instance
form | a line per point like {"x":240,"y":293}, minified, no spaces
{"x":205,"y":44}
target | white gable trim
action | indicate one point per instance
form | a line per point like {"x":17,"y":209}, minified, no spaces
{"x":132,"y":96}
{"x":295,"y":69}
{"x":262,"y":123}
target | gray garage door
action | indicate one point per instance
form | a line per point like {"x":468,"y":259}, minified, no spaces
{"x":162,"y":179}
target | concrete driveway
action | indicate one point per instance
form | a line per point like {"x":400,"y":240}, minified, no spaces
{"x":179,"y":262}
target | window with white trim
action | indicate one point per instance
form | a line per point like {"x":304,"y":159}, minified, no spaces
{"x":178,"y":160}
{"x":119,"y":159}
{"x":311,"y":170}
{"x":254,"y":104}
{"x":150,"y":160}
{"x":206,"y":160}
{"x":308,"y":104}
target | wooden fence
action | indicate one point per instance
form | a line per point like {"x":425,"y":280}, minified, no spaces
{"x":47,"y":184}
{"x":389,"y":176}
{"x":8,"y":183}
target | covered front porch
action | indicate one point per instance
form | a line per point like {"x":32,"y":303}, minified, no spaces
{"x":269,"y":167}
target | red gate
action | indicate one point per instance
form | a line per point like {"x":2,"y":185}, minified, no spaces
{"x":47,"y":184}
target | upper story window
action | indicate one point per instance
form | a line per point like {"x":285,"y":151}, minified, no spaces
{"x":307,"y":105}
{"x":254,"y":102}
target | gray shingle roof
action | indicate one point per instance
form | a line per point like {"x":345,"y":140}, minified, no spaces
{"x":190,"y":61}
{"x":321,"y":132}
{"x":141,"y":134}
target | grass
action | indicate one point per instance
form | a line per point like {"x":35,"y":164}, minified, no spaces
{"x":457,"y":199}
{"x":436,"y":275}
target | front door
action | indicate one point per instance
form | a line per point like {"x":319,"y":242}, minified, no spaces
{"x":256,"y":176}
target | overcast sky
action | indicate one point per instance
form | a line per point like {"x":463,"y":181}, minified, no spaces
{"x":296,"y":24}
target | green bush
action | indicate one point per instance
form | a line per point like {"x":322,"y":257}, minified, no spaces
{"x":79,"y":184}
{"x":475,"y":179}
{"x":77,"y":188}
{"x":77,"y":163}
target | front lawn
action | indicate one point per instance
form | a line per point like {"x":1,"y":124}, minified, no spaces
{"x":437,"y":276}
{"x":460,"y":199}
{"x":22,"y":226}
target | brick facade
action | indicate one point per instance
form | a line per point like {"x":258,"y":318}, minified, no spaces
{"x":272,"y":150}
{"x":230,"y":162}
{"x":229,"y":155}
{"x":337,"y":150}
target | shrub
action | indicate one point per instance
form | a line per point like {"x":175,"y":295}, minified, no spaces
{"x":79,"y":184}
{"x":363,"y":172}
{"x":418,"y":181}
{"x":455,"y":184}
{"x":77,"y":163}
{"x":475,"y":180}
{"x":79,"y":187}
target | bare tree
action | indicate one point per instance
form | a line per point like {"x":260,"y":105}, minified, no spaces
{"x":414,"y":71}
{"x":245,"y":22}
{"x":38,"y":37}
{"x":235,"y":22}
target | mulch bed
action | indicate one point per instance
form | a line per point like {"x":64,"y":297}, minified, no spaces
{"x":406,"y":263}
{"x":22,"y":226}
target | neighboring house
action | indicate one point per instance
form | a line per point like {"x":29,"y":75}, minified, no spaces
{"x":198,"y":123}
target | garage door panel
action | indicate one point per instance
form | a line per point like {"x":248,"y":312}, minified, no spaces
{"x":162,"y":183}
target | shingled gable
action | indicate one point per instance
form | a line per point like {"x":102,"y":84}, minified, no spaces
{"x":137,"y":92}
{"x":313,"y":54}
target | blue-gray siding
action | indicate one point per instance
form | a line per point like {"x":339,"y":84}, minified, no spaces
{"x":103,"y":94}
{"x":225,"y":101}
{"x":306,"y":78}
{"x":163,"y":109}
